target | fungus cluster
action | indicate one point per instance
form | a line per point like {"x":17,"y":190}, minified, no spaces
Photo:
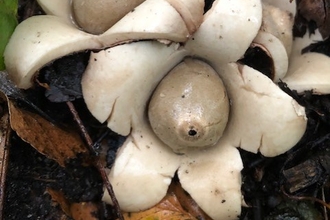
{"x":167,"y":77}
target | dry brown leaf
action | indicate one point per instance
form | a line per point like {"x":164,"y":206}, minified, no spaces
{"x":84,"y":211}
{"x":169,"y":208}
{"x":59,"y":198}
{"x":187,"y":202}
{"x":77,"y":211}
{"x":48,"y":139}
{"x":313,"y":10}
{"x":317,"y":11}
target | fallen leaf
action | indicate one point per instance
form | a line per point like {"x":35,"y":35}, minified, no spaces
{"x":48,"y":139}
{"x":77,"y":211}
{"x":84,"y":211}
{"x":313,"y":10}
{"x":168,"y":208}
{"x":59,"y":198}
{"x":187,"y":202}
{"x":317,"y":11}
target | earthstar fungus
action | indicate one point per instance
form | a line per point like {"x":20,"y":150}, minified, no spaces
{"x":308,"y":71}
{"x":168,"y":50}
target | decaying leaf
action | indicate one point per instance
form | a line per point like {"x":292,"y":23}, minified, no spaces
{"x":168,"y":208}
{"x":187,"y":202}
{"x":77,"y":211}
{"x":313,"y":10}
{"x":48,"y":139}
{"x":316,"y":11}
{"x":84,"y":211}
{"x":59,"y":198}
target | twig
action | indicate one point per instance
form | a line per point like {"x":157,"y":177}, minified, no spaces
{"x":313,"y":199}
{"x":325,"y":211}
{"x":97,"y":162}
{"x":5,"y":132}
{"x":97,"y":143}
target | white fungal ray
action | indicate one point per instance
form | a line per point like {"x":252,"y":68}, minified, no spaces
{"x":275,"y":37}
{"x":276,"y":50}
{"x":212,"y":178}
{"x":154,"y":19}
{"x":117,"y":84}
{"x":227,"y":30}
{"x":39,"y":40}
{"x":143,"y":170}
{"x":308,"y":71}
{"x":263,"y":117}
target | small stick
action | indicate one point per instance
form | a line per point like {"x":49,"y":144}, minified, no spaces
{"x":325,"y":211}
{"x":5,"y":132}
{"x":97,"y":161}
{"x":313,"y":199}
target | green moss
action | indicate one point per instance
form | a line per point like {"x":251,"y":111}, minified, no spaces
{"x":295,"y":210}
{"x":8,"y":22}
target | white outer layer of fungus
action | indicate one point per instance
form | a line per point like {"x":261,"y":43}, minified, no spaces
{"x":42,"y":36}
{"x":275,"y":34}
{"x":263,"y":131}
{"x":308,"y":71}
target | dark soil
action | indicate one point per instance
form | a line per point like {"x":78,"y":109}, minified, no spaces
{"x":30,"y":174}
